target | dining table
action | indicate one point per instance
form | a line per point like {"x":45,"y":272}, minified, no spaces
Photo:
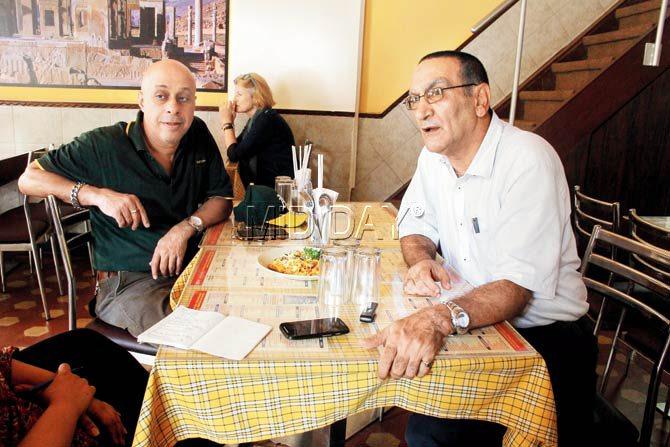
{"x":284,"y":387}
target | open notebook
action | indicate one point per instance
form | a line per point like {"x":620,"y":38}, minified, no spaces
{"x":210,"y":332}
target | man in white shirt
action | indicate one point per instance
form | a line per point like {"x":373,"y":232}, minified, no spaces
{"x":495,"y":201}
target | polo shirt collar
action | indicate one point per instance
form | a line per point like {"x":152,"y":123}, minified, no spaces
{"x":136,"y":133}
{"x":482,"y":164}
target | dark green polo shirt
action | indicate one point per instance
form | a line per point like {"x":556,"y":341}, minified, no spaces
{"x":116,"y":157}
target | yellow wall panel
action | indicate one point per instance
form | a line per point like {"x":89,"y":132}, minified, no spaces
{"x":399,"y":32}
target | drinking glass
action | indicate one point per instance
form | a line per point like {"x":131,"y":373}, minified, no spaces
{"x":333,"y":276}
{"x":350,"y":246}
{"x":284,"y":187}
{"x":366,"y":276}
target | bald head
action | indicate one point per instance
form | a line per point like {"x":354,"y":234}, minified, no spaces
{"x":167,"y":98}
{"x":167,"y":69}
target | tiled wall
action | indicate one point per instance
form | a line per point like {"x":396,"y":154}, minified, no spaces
{"x":388,"y":147}
{"x":23,"y":129}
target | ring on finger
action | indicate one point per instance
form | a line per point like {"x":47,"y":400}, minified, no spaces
{"x":133,"y":211}
{"x":427,"y":364}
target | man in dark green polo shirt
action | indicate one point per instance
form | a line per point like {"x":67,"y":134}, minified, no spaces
{"x":151,"y":185}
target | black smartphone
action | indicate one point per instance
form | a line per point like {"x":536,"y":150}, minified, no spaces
{"x":323,"y":327}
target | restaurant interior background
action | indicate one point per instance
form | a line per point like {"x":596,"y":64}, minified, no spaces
{"x":311,"y":53}
{"x":338,"y":70}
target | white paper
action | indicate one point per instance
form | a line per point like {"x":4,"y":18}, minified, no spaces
{"x":181,"y":328}
{"x":210,"y":332}
{"x":233,"y":338}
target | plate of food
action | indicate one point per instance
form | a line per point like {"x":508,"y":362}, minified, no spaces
{"x":299,"y":263}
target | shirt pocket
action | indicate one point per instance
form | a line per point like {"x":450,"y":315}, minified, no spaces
{"x":483,"y":247}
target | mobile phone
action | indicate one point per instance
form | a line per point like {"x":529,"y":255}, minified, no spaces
{"x":368,"y":314}
{"x":323,"y":327}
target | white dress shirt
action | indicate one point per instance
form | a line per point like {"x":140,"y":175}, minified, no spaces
{"x":507,"y":217}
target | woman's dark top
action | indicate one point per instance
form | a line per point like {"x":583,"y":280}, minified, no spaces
{"x":263,"y":149}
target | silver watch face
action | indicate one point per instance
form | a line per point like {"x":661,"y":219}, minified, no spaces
{"x":463,"y":320}
{"x":196,"y":222}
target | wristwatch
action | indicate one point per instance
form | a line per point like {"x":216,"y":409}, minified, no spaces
{"x":196,"y":223}
{"x":460,"y":319}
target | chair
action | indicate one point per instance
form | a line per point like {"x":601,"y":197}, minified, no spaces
{"x":629,"y":304}
{"x":589,"y":212}
{"x":650,"y":234}
{"x":21,"y":231}
{"x":120,"y":336}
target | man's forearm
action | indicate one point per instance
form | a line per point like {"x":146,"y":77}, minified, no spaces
{"x":494,"y":302}
{"x":214,"y":210}
{"x":417,"y":248}
{"x":40,"y":183}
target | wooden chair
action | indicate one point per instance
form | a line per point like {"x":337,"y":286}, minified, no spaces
{"x":628,"y":304}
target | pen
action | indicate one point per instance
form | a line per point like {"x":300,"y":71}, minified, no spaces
{"x":40,"y":386}
{"x":475,"y":224}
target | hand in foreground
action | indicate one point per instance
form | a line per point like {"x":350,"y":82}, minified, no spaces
{"x":228,"y":112}
{"x":69,"y":392}
{"x":410,"y":344}
{"x":126,"y":209}
{"x":105,"y":414}
{"x":170,"y":250}
{"x":420,"y":278}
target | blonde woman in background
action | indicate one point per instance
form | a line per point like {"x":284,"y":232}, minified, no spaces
{"x":263,"y":148}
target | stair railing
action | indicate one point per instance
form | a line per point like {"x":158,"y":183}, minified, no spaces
{"x":494,"y":15}
{"x":652,"y":51}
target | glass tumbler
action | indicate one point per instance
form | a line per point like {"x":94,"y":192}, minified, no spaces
{"x":283,"y":186}
{"x":333,"y":276}
{"x":366,"y":276}
{"x":350,"y":245}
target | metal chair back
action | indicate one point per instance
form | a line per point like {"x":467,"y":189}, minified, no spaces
{"x":650,"y":234}
{"x":66,"y":244}
{"x":631,"y":304}
{"x":608,"y":214}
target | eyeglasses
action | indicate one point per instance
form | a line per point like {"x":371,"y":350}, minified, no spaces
{"x":246,"y":77}
{"x":432,"y":95}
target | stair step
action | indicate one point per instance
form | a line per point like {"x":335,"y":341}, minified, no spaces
{"x":585,"y":64}
{"x":546,"y":95}
{"x":621,"y":34}
{"x":639,"y":8}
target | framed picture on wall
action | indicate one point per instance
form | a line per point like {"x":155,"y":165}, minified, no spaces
{"x":107,"y":44}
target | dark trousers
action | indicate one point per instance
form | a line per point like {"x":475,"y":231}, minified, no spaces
{"x":118,"y":378}
{"x":570,"y":351}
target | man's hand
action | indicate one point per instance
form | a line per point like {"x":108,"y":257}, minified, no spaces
{"x":420,"y":278}
{"x":105,"y":414}
{"x":170,"y":250}
{"x":126,"y":209}
{"x":410,"y":344}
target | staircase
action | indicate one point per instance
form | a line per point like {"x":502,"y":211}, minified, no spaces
{"x":573,"y":72}
{"x":588,"y":81}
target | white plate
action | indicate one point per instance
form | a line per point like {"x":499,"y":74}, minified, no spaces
{"x":265,"y":258}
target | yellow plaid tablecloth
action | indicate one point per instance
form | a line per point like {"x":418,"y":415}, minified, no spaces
{"x":194,"y":395}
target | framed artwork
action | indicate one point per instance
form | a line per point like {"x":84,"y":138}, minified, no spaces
{"x":79,"y":46}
